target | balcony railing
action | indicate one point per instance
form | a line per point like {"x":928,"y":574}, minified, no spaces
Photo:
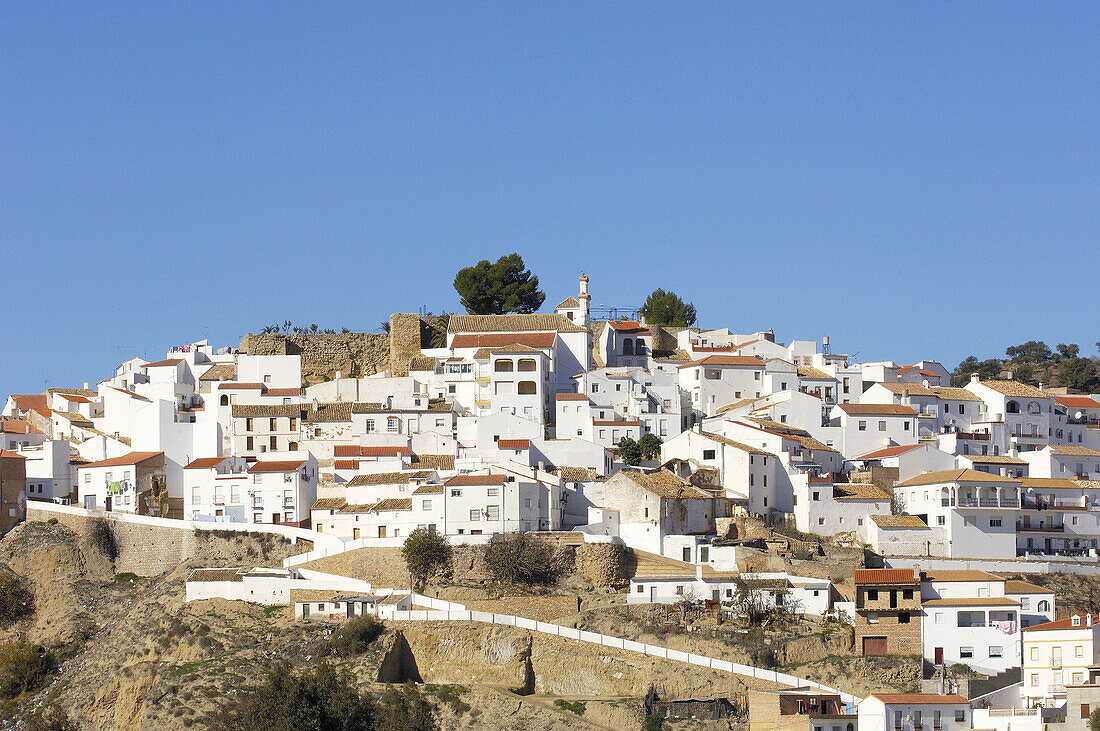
{"x":988,"y":502}
{"x":257,"y":504}
{"x":1040,"y":528}
{"x":288,"y":502}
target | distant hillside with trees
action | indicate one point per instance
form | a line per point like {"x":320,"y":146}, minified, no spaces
{"x":1034,"y":362}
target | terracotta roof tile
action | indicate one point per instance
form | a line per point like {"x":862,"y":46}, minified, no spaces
{"x":957,"y":475}
{"x":132,"y":458}
{"x":919,"y":699}
{"x":433,"y":461}
{"x":628,"y":327}
{"x":876,"y":409}
{"x":513,"y":444}
{"x":204,"y":463}
{"x":664,"y":484}
{"x":167,"y":362}
{"x":890,"y":451}
{"x":284,"y":465}
{"x":501,"y":340}
{"x":388,"y":478}
{"x":886,"y":576}
{"x":898,"y":521}
{"x":726,"y":360}
{"x":461,"y":480}
{"x":1015,"y":388}
{"x":512,"y":323}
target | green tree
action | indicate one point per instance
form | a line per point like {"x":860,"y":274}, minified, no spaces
{"x":629,"y":452}
{"x":317,"y":700}
{"x":986,"y":369}
{"x":520,"y":558}
{"x":1094,"y":720}
{"x":356,"y":635}
{"x":666,"y":308}
{"x":404,"y":709}
{"x":439,"y":327}
{"x":499,"y":287}
{"x":1079,"y":373}
{"x":1068,"y":351}
{"x":650,"y":444}
{"x":1033,"y":351}
{"x":426,"y":553}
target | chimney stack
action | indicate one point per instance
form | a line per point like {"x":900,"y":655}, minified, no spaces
{"x":973,"y":377}
{"x":1088,"y":619}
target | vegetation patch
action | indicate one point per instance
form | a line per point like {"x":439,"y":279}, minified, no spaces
{"x":102,"y":538}
{"x":576,"y":707}
{"x":520,"y":558}
{"x":24,"y":668}
{"x":16,"y":600}
{"x":356,"y":635}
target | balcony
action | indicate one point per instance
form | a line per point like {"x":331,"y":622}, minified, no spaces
{"x":987,"y":502}
{"x":257,"y":504}
{"x":288,"y":502}
{"x":1040,"y":528}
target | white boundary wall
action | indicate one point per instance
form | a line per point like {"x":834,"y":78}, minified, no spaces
{"x":994,"y":565}
{"x":319,"y":540}
{"x":509,"y":620}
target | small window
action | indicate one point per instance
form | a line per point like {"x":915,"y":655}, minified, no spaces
{"x":708,"y":454}
{"x":995,"y":651}
{"x":966,"y":653}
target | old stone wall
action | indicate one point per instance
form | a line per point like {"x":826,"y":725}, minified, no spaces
{"x":353,"y":354}
{"x":405,"y":340}
{"x":604,"y":564}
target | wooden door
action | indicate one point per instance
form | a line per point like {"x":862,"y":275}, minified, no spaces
{"x":354,"y":532}
{"x":939,"y":656}
{"x":874,"y":645}
{"x":381,"y":531}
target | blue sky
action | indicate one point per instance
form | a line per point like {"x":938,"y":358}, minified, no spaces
{"x":915,"y":180}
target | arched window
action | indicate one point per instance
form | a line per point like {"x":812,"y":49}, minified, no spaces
{"x":1012,"y":407}
{"x":526,"y":388}
{"x":628,"y":346}
{"x":503,"y":366}
{"x":225,"y":399}
{"x":527,"y":364}
{"x":1044,"y":606}
{"x":1033,"y":407}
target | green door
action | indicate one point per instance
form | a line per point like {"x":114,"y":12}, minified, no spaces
{"x":305,"y":611}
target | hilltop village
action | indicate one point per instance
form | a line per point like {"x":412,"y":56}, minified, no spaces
{"x":708,"y":478}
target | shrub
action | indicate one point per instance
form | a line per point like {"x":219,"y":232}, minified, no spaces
{"x":16,"y":601}
{"x":426,"y":554}
{"x":653,"y":723}
{"x":24,"y":667}
{"x":102,"y":539}
{"x":50,"y":718}
{"x":520,"y":558}
{"x":356,"y":635}
{"x":404,"y":709}
{"x":312,"y":701}
{"x":51,"y":521}
{"x":576,"y":707}
{"x":650,"y":444}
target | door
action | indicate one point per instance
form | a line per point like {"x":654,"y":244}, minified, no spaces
{"x":874,"y":645}
{"x":275,"y":517}
{"x":351,"y":609}
{"x":939,"y":656}
{"x":305,"y":611}
{"x":893,"y":600}
{"x":354,"y":532}
{"x":381,"y":531}
{"x":653,"y":594}
{"x":687,"y":554}
{"x":107,"y":507}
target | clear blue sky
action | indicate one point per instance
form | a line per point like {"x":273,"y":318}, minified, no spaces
{"x":913,"y":179}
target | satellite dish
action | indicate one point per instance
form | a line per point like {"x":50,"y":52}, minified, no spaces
{"x":1078,"y":414}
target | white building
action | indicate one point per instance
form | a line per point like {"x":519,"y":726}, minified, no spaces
{"x":1057,"y":654}
{"x":912,"y":711}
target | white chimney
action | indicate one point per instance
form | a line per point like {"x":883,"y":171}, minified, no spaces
{"x":973,"y":377}
{"x":87,"y":386}
{"x":339,"y":375}
{"x":1088,"y":619}
{"x":1040,"y":388}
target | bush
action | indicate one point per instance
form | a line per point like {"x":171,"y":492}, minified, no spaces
{"x":24,"y":667}
{"x":404,"y":709}
{"x":520,"y":558}
{"x":16,"y":600}
{"x":356,"y":635}
{"x":653,"y":723}
{"x":317,"y":700}
{"x":50,"y":718}
{"x":576,"y":707}
{"x":426,"y":554}
{"x":102,"y":539}
{"x":51,"y":521}
{"x":650,"y":444}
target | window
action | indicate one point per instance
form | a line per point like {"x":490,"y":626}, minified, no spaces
{"x":994,"y":651}
{"x":1035,"y":653}
{"x":248,"y":424}
{"x":87,"y":477}
{"x":882,"y":426}
{"x":1044,"y":606}
{"x":938,"y":618}
{"x":872,"y":618}
{"x":426,"y":505}
{"x":903,"y":618}
{"x":456,"y":493}
{"x":708,"y":454}
{"x":960,"y":716}
{"x":1035,"y":680}
{"x":994,"y":522}
{"x":248,"y":443}
{"x":941,"y":520}
{"x":493,"y":491}
{"x":1078,"y":678}
{"x":273,"y":424}
{"x":196,"y":495}
{"x":494,"y":512}
{"x":966,"y":652}
{"x":872,"y":595}
{"x":907,"y":594}
{"x":475,"y":514}
{"x":863,"y":426}
{"x":1085,"y":710}
{"x":1025,"y":603}
{"x":641,"y":589}
{"x":821,"y":521}
{"x":817,"y":495}
{"x":393,"y":425}
{"x":905,"y":426}
{"x":1079,"y":651}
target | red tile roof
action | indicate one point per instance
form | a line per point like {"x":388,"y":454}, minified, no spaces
{"x":168,"y":362}
{"x":75,"y":398}
{"x":204,"y":463}
{"x":355,"y":450}
{"x":131,"y":394}
{"x":726,"y":360}
{"x":1077,"y":402}
{"x":877,"y":409}
{"x":15,"y":426}
{"x":500,"y":340}
{"x":1066,"y":623}
{"x":346,"y":464}
{"x":29,"y":401}
{"x":132,"y":458}
{"x":886,"y":576}
{"x":5,"y":454}
{"x":460,"y":480}
{"x":282,"y":392}
{"x":277,"y":465}
{"x":571,"y":397}
{"x":890,"y":451}
{"x":628,"y":327}
{"x":513,"y":444}
{"x":228,"y":385}
{"x":621,"y":422}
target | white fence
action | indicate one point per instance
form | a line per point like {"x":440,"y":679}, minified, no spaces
{"x":289,"y":532}
{"x":1030,"y":565}
{"x":509,"y":620}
